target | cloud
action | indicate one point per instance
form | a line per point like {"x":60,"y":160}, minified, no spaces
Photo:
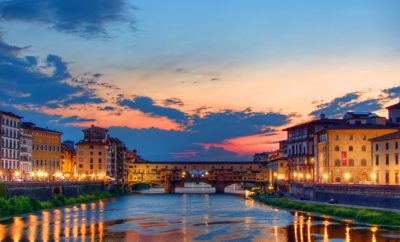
{"x":219,"y":130}
{"x":393,"y":92}
{"x":215,"y":127}
{"x":173,"y":101}
{"x":349,"y":102}
{"x":33,"y":80}
{"x":88,"y":18}
{"x":147,"y":105}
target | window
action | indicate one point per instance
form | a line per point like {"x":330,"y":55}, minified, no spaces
{"x":377,"y":160}
{"x":387,"y":146}
{"x":337,"y":148}
{"x":337,"y":137}
{"x":364,"y":137}
{"x":387,"y":159}
{"x":351,"y":137}
{"x":337,"y":162}
{"x":387,"y":178}
{"x":396,"y":157}
{"x":396,"y":145}
{"x":363,"y":162}
{"x":396,"y":177}
{"x":376,"y":147}
{"x":363,"y":148}
{"x":351,"y":162}
{"x":350,"y":148}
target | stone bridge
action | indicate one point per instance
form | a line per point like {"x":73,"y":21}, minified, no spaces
{"x":218,"y":174}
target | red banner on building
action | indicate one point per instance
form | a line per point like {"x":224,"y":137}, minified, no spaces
{"x":344,"y":158}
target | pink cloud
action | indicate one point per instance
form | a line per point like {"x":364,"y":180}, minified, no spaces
{"x":251,"y":144}
{"x":119,"y":117}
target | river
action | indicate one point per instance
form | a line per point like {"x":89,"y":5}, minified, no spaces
{"x":184,"y":217}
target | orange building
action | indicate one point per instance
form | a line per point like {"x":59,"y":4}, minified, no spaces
{"x":46,"y":151}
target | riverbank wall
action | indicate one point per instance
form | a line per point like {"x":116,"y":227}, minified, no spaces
{"x":351,"y":194}
{"x":45,"y":191}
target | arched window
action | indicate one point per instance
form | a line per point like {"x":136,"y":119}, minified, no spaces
{"x":337,"y":162}
{"x":363,"y":162}
{"x":336,"y":148}
{"x":350,"y":148}
{"x":363,"y":148}
{"x":351,"y":162}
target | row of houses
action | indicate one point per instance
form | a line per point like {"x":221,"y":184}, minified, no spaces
{"x":29,"y":152}
{"x":359,"y":148}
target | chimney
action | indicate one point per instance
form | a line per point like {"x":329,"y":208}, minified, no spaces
{"x":323,"y":116}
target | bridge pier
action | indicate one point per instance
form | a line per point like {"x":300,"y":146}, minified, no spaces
{"x":169,"y":187}
{"x":219,"y":187}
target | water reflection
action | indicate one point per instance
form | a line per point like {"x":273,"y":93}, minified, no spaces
{"x":184,"y":217}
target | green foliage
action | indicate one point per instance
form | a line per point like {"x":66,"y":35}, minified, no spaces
{"x":362,"y":215}
{"x":19,"y":205}
{"x":3,"y":191}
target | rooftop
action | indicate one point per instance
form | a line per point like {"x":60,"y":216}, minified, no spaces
{"x":394,"y":135}
{"x":10,"y":114}
{"x":32,"y":126}
{"x":315,"y":122}
{"x":360,"y":126}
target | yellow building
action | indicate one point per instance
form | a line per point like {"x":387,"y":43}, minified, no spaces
{"x":68,"y":161}
{"x":344,"y":152}
{"x":46,"y":151}
{"x":93,"y":154}
{"x":277,"y":165}
{"x":385,"y":159}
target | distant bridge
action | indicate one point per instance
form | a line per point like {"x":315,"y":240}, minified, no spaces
{"x":218,"y":174}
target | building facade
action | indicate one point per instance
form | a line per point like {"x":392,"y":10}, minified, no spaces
{"x":10,"y":146}
{"x":344,"y":153}
{"x":93,"y":155}
{"x":385,"y":159}
{"x":68,"y":160}
{"x":277,"y":165}
{"x":301,"y":148}
{"x":46,"y":151}
{"x":25,"y":155}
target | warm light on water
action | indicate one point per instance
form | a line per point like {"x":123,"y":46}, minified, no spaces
{"x":183,"y":217}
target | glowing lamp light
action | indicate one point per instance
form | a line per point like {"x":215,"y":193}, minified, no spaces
{"x":16,"y":173}
{"x":373,"y":176}
{"x":347,"y":176}
{"x":308,"y":176}
{"x":325,"y":176}
{"x":301,"y":175}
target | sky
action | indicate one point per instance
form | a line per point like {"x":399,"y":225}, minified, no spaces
{"x":198,"y":79}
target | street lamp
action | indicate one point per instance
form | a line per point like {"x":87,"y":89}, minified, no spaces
{"x":347,"y":177}
{"x":373,"y":176}
{"x":325,"y":177}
